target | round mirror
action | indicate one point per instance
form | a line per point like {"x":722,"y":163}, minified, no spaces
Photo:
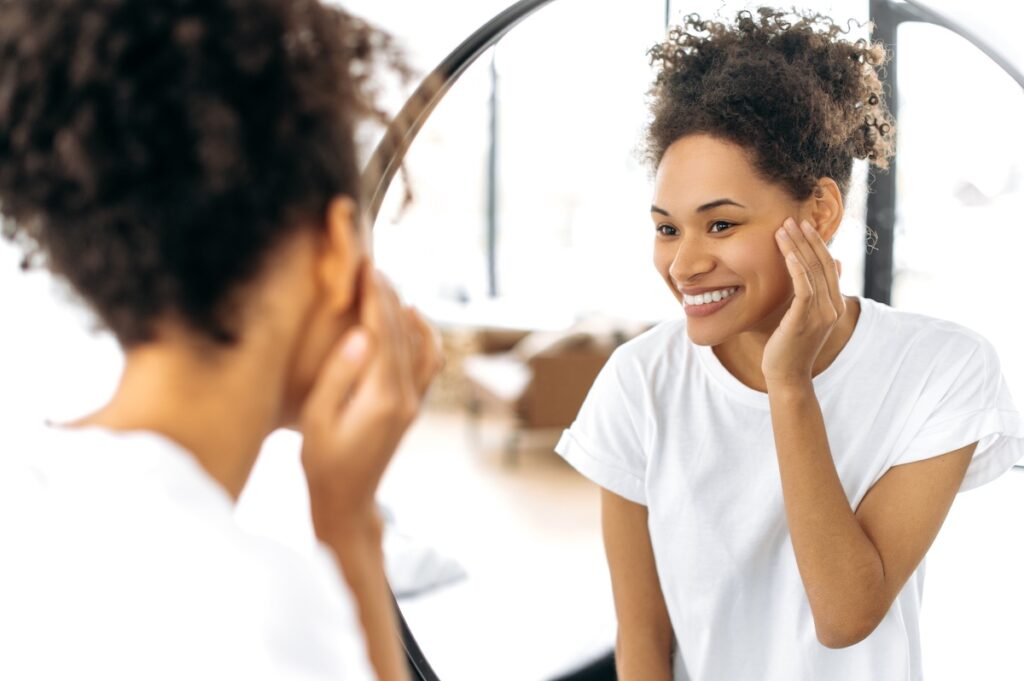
{"x":526,"y":243}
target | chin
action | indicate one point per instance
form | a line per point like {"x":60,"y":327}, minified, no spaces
{"x":701,"y":337}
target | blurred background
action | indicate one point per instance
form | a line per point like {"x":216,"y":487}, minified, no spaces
{"x":528,"y":244}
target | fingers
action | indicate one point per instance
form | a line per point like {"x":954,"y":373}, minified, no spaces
{"x":830,"y":268}
{"x":402,"y":340}
{"x":416,"y":345}
{"x":815,"y":266}
{"x":373,"y":313}
{"x":799,"y":271}
{"x":397,"y":379}
{"x":405,"y":358}
{"x":805,"y":247}
{"x":427,"y":346}
{"x":366,"y":395}
{"x":336,"y":381}
{"x":803,"y":289}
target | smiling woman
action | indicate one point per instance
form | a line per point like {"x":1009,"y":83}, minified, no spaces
{"x":694,"y":228}
{"x":776,"y":464}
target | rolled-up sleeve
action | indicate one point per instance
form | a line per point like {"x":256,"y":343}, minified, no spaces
{"x":604,"y":443}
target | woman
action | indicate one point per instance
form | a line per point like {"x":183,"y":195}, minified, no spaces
{"x":776,"y":464}
{"x":189,"y":168}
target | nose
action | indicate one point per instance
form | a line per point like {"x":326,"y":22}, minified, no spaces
{"x":690,"y":262}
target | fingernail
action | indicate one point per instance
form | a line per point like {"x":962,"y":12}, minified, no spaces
{"x":782,"y":234}
{"x":355,"y":345}
{"x":807,"y":226}
{"x":790,"y":222}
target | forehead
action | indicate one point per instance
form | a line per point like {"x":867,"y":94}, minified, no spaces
{"x":700,"y":168}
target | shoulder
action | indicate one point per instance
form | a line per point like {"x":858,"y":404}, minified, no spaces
{"x":900,"y":331}
{"x":136,"y":525}
{"x":928,"y":356}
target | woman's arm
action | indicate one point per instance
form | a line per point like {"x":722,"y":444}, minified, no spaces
{"x":357,"y":548}
{"x":852,"y":564}
{"x":643,"y":647}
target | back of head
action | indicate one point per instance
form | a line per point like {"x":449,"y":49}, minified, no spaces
{"x":155,"y":153}
{"x":792,"y":91}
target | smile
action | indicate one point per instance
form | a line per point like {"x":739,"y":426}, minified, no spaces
{"x":710,"y":296}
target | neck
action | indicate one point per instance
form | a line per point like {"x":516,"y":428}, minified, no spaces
{"x":220,"y":409}
{"x":743,"y":354}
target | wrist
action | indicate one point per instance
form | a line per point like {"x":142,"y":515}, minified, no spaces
{"x":350,"y":530}
{"x":790,"y":387}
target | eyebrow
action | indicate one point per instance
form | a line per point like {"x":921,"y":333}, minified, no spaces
{"x":700,"y":209}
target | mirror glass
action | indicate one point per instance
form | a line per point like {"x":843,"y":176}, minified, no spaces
{"x":529,"y":230}
{"x":958,"y":233}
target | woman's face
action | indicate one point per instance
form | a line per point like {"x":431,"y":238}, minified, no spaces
{"x":715,"y":220}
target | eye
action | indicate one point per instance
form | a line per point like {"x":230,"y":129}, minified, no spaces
{"x":720,"y":226}
{"x":666,"y":230}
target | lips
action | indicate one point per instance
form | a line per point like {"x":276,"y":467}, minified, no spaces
{"x":705,"y":309}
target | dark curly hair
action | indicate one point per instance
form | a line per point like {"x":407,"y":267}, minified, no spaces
{"x":155,"y":153}
{"x":801,"y":99}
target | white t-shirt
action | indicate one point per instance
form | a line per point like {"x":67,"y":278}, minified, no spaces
{"x":121,"y":559}
{"x":666,"y":425}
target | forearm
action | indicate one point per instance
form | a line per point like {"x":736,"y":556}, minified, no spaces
{"x":643,"y":644}
{"x":643,"y":658}
{"x":841,"y":568}
{"x":357,"y":548}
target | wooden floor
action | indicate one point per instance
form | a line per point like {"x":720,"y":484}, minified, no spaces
{"x":537,"y":600}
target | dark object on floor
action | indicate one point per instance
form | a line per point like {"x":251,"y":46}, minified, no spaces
{"x":419,"y":668}
{"x":602,"y":669}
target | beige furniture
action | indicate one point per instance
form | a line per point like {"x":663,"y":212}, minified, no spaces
{"x":541,"y":378}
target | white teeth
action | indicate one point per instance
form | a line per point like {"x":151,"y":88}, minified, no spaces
{"x":710,"y":297}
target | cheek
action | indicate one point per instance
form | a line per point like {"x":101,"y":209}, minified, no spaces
{"x":302,"y":374}
{"x":662,"y":260}
{"x":760,"y":260}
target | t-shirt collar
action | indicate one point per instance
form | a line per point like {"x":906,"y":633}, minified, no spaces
{"x":822,"y":382}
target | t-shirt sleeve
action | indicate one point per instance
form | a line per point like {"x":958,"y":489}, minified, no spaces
{"x":604,"y":442}
{"x":965,"y":400}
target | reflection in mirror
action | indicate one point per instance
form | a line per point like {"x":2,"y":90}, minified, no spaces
{"x":516,"y":582}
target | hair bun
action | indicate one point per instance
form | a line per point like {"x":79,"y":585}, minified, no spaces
{"x":790,"y":88}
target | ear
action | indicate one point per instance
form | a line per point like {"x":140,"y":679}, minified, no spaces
{"x":341,"y":253}
{"x":825,"y":208}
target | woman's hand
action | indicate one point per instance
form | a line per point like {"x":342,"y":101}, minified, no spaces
{"x":368,"y":393}
{"x":817,"y":305}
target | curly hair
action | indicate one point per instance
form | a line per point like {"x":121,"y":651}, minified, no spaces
{"x":802,"y":100}
{"x":155,"y":153}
